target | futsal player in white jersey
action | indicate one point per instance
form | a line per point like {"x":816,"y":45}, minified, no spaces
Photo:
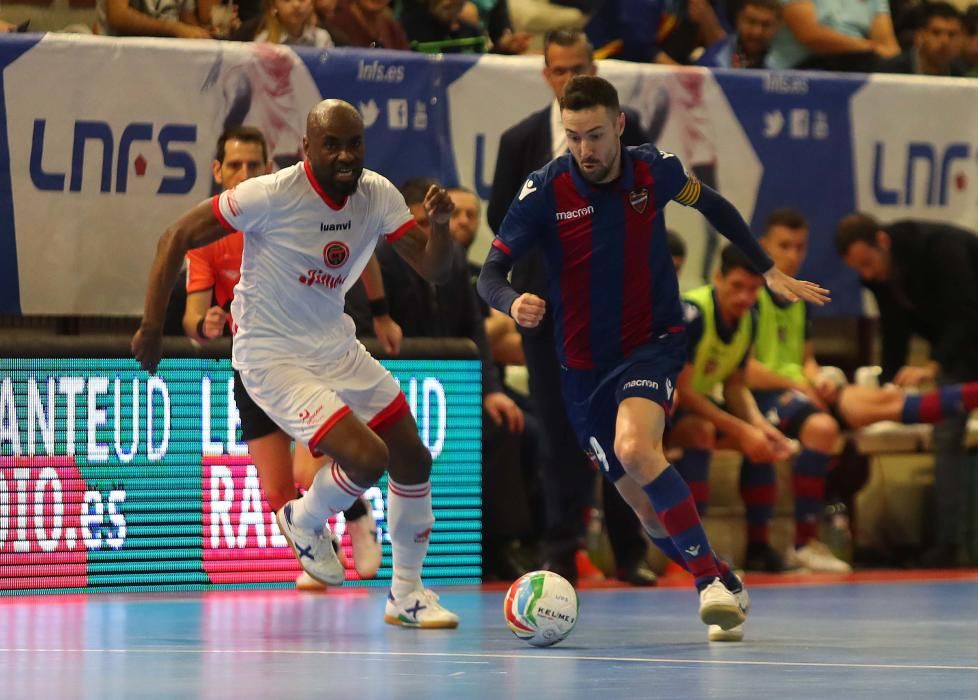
{"x":309,"y":230}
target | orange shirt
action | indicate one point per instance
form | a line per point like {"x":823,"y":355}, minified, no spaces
{"x":216,"y":266}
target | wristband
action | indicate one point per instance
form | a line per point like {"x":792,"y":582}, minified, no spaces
{"x":379,"y":307}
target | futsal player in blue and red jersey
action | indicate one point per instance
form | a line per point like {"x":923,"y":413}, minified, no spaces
{"x":597,"y":215}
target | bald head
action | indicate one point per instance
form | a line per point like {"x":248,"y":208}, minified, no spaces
{"x":334,"y":147}
{"x":324,"y":113}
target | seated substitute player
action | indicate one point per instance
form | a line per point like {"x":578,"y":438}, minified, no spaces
{"x":790,"y":385}
{"x":212,"y":273}
{"x":597,"y":214}
{"x":309,"y":230}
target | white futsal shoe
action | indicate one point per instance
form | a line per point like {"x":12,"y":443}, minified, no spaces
{"x":315,"y":550}
{"x":722,"y":608}
{"x":419,"y":608}
{"x":716,"y":633}
{"x":366,"y":548}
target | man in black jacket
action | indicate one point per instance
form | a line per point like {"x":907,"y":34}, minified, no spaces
{"x":924,"y":276}
{"x":567,"y":475}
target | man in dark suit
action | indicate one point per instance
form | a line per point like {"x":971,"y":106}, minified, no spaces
{"x":567,"y":475}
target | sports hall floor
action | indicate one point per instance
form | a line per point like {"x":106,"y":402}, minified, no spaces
{"x":895,"y":635}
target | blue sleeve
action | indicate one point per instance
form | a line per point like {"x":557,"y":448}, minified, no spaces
{"x":671,"y":179}
{"x":725,"y":218}
{"x":524,"y":221}
{"x":694,"y":328}
{"x":493,"y":285}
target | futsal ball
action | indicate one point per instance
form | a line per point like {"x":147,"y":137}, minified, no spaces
{"x":541,"y":608}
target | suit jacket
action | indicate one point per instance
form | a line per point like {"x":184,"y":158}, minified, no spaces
{"x":524,"y":148}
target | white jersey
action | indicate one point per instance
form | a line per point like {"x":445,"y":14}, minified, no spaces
{"x":302,"y":252}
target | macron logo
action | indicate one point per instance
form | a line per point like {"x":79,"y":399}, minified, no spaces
{"x":693,"y":551}
{"x":528,"y":189}
{"x":576,"y":214}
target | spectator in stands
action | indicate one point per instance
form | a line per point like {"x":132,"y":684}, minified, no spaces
{"x":969,"y":53}
{"x":368,"y":24}
{"x":145,"y":18}
{"x":567,"y":474}
{"x":293,"y":23}
{"x":834,"y":35}
{"x":633,"y":30}
{"x":938,"y":43}
{"x":757,"y":24}
{"x":494,"y":16}
{"x":440,"y":22}
{"x":924,"y":276}
{"x":451,"y":310}
{"x":704,"y":23}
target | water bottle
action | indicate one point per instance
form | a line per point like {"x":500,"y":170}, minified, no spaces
{"x":836,"y":533}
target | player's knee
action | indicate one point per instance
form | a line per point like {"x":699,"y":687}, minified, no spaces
{"x":638,"y":453}
{"x":367,"y":462}
{"x":820,"y":432}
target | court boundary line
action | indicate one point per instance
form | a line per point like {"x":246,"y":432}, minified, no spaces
{"x":499,"y":655}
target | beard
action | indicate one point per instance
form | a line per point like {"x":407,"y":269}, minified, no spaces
{"x":347,"y":187}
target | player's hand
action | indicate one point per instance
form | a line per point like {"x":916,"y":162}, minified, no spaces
{"x":914,"y":376}
{"x":388,"y":333}
{"x":439,"y":205}
{"x":528,"y":310}
{"x":147,"y":347}
{"x":214,"y":321}
{"x":791,"y":289}
{"x":813,"y":396}
{"x":780,"y":444}
{"x":756,"y":446}
{"x":502,"y":408}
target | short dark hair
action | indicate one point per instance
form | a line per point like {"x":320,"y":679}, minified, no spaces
{"x":416,"y":188}
{"x":772,"y":5}
{"x":587,"y":91}
{"x":856,"y":228}
{"x":677,"y":246}
{"x":566,"y":37}
{"x":733,"y":258}
{"x":942,"y":10}
{"x":971,"y":20}
{"x":245,"y":134}
{"x":789,"y":217}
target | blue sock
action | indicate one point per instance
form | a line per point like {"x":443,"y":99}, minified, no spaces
{"x":694,"y":467}
{"x":808,"y":481}
{"x":674,"y":505}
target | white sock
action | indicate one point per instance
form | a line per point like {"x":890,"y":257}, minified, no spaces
{"x":331,"y":492}
{"x":409,"y":519}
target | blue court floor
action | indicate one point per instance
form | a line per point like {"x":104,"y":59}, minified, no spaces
{"x":901,"y":640}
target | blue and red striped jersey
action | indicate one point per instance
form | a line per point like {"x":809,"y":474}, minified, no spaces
{"x":610,"y":278}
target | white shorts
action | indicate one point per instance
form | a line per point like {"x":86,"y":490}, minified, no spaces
{"x":307,"y":401}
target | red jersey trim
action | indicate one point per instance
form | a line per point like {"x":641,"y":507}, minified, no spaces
{"x":497,"y":243}
{"x":394,"y":411}
{"x":325,"y":428}
{"x":319,"y":190}
{"x":216,"y":208}
{"x":400,"y":231}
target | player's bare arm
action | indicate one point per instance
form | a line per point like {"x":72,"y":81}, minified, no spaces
{"x":698,"y":404}
{"x":386,"y":330}
{"x":197,"y":228}
{"x":430,"y":255}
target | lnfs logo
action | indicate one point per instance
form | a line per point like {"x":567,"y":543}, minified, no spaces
{"x":116,"y":154}
{"x":923,"y":174}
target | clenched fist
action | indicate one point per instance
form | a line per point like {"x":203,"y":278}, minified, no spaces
{"x":528,"y":310}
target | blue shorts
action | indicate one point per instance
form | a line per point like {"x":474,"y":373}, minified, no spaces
{"x":592,"y":397}
{"x":786,"y":410}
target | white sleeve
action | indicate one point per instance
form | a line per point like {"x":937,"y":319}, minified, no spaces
{"x":396,"y":218}
{"x":244,"y":208}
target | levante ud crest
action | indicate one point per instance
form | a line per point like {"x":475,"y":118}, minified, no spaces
{"x":639,"y":199}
